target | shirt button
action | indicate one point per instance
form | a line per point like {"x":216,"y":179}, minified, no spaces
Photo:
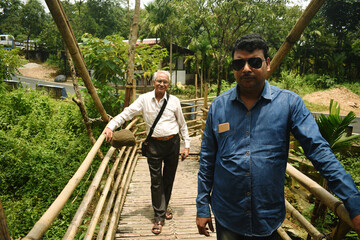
{"x":248,"y":212}
{"x":248,"y":193}
{"x":247,"y":132}
{"x":248,"y":114}
{"x":247,"y":174}
{"x":247,"y":153}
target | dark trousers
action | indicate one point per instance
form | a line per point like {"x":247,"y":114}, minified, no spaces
{"x":225,"y":234}
{"x":162,"y":178}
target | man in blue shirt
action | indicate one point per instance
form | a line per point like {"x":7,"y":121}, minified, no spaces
{"x":244,"y":152}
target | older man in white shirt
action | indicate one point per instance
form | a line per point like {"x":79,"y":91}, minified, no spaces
{"x":164,"y":145}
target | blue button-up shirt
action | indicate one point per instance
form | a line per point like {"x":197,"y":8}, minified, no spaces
{"x":243,"y":163}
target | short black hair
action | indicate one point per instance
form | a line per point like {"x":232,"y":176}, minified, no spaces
{"x":250,"y":43}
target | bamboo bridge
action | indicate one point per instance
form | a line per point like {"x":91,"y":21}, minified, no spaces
{"x":118,"y":198}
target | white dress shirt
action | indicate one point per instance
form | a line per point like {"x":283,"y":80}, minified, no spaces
{"x":171,"y":122}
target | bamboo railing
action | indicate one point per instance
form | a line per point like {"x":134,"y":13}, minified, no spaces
{"x":109,"y":203}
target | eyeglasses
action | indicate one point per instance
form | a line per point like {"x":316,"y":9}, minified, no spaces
{"x":239,"y":64}
{"x":162,"y":81}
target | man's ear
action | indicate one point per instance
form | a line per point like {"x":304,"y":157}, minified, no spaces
{"x":268,"y":64}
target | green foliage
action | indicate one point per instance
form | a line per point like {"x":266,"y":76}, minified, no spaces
{"x":109,"y":60}
{"x":320,"y":81}
{"x":333,"y":128}
{"x":42,"y":144}
{"x":32,"y":17}
{"x":9,"y":63}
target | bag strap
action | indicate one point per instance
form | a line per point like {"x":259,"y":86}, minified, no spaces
{"x":157,"y":118}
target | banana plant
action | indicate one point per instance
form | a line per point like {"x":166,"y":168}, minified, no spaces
{"x":334,"y":128}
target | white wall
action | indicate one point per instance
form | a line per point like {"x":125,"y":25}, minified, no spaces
{"x":178,"y":76}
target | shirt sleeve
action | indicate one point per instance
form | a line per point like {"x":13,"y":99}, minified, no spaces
{"x":318,"y":151}
{"x":182,"y":125}
{"x":206,"y":171}
{"x":129,"y":113}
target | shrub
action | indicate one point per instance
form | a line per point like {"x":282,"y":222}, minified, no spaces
{"x":42,"y":143}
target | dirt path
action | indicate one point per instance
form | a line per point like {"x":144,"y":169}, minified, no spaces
{"x":348,"y":100}
{"x":39,"y":71}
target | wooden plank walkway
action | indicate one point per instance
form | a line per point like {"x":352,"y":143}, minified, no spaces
{"x":136,"y":218}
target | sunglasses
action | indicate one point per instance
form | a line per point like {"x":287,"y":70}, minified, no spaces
{"x":239,"y":64}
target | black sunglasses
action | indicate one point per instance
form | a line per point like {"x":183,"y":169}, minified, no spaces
{"x":239,"y":64}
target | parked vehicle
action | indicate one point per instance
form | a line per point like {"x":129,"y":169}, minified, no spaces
{"x":7,"y":41}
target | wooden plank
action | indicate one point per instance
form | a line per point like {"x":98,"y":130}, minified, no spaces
{"x":136,"y":218}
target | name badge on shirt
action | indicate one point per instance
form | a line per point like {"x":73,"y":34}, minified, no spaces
{"x":223,"y":127}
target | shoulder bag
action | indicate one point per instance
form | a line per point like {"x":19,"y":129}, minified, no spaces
{"x":145,"y":144}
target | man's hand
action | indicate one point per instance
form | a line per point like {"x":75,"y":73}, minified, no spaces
{"x":356,"y":222}
{"x":108,"y":134}
{"x":201,"y":224}
{"x":184,"y":154}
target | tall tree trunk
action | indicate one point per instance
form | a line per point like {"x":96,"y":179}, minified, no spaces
{"x":4,"y":232}
{"x":170,"y":64}
{"x":131,"y":83}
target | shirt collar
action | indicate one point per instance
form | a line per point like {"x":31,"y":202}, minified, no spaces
{"x":154,"y":97}
{"x":266,"y":93}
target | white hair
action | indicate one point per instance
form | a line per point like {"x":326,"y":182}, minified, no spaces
{"x":161,"y":71}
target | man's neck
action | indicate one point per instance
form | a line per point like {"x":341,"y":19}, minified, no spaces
{"x":249,"y":97}
{"x":159,"y":96}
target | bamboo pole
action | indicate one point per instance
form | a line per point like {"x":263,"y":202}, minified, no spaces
{"x":198,"y":99}
{"x":303,"y":222}
{"x":295,"y":33}
{"x":4,"y":232}
{"x":196,"y":86}
{"x":85,"y":203}
{"x":64,"y":27}
{"x":120,"y":197}
{"x":43,"y":224}
{"x":320,"y":193}
{"x":206,"y":95}
{"x":340,"y":231}
{"x":96,"y":215}
{"x":283,"y":234}
{"x":114,"y":191}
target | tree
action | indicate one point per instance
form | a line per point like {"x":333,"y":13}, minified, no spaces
{"x":10,"y":20}
{"x":32,"y":18}
{"x":9,"y":63}
{"x":109,"y":60}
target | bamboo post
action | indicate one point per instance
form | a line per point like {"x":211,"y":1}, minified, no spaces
{"x":303,"y":222}
{"x":340,"y":231}
{"x":295,"y":33}
{"x":206,"y":95}
{"x":196,"y":86}
{"x":64,"y":27}
{"x":43,"y":224}
{"x":201,"y":85}
{"x":4,"y":232}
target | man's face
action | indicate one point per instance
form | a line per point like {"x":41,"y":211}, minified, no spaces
{"x":161,"y":83}
{"x":251,"y":78}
